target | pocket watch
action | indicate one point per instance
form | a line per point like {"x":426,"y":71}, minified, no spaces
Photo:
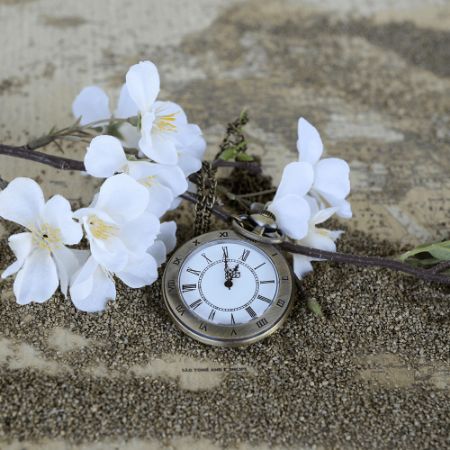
{"x":230,"y":288}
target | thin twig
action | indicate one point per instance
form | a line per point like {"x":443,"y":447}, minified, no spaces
{"x":441,"y":266}
{"x":358,"y":260}
{"x":256,"y":194}
{"x":250,"y":166}
{"x":54,"y":161}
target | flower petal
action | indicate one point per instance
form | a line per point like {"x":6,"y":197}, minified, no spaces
{"x":66,"y":265}
{"x":37,"y":281}
{"x":111,"y":253}
{"x":162,"y":150}
{"x":331,"y":176}
{"x":292,"y":213}
{"x":143,"y":84}
{"x":302,"y":266}
{"x":196,"y":149}
{"x":309,"y":143}
{"x":170,"y":109}
{"x":92,"y":104}
{"x":105,"y":157}
{"x":22,"y":245}
{"x":126,"y":107}
{"x":160,"y":199}
{"x":141,"y":273}
{"x":323,"y":215}
{"x":130,"y":135}
{"x":22,"y":202}
{"x":297,"y":179}
{"x":167,"y":234}
{"x":92,"y":294}
{"x":58,"y":214}
{"x":189,"y":164}
{"x":143,"y":169}
{"x":158,"y":251}
{"x":139,"y":234}
{"x":122,"y":198}
{"x":186,"y":134}
{"x":173,"y":178}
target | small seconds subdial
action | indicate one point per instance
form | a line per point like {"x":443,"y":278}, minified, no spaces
{"x":228,"y":282}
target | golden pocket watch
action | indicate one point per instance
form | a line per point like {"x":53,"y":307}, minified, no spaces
{"x":230,"y":287}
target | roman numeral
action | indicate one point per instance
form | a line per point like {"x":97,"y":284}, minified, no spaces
{"x":259,"y":266}
{"x":233,"y":332}
{"x":189,"y":287}
{"x":261,"y":323}
{"x":180,"y":309}
{"x":225,"y":252}
{"x":264,"y":299}
{"x":275,"y":254}
{"x":177,"y":261}
{"x":224,"y":234}
{"x":232,"y":320}
{"x":194,"y":272}
{"x":280,"y":303}
{"x":171,"y":285}
{"x":202,"y":326}
{"x":267,"y":282}
{"x":250,"y":312}
{"x":245,"y":255}
{"x":195,"y":304}
{"x":211,"y":315}
{"x":285,"y":278}
{"x":207,"y":259}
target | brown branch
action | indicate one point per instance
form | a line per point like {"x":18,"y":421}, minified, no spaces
{"x":441,"y":266}
{"x":251,"y":167}
{"x":57,"y":162}
{"x":358,"y":260}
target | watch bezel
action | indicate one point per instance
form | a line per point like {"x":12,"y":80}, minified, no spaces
{"x":227,"y":335}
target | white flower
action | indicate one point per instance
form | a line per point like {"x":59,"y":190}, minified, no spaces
{"x":316,"y":238}
{"x":93,"y":285}
{"x":92,"y":104}
{"x":291,"y":209}
{"x":116,"y":224}
{"x":331,"y":175}
{"x":163,"y":125}
{"x":42,"y":257}
{"x":165,"y":242}
{"x":105,"y":157}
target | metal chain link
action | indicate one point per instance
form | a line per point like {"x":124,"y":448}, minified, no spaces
{"x":206,"y":181}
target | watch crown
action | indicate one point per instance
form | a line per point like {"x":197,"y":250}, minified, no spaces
{"x":267,"y":213}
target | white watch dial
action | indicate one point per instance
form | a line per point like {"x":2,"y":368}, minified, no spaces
{"x":228,"y":282}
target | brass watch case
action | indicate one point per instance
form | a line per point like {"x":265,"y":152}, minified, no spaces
{"x":227,"y":335}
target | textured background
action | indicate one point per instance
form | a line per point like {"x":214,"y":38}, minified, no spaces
{"x":371,"y":76}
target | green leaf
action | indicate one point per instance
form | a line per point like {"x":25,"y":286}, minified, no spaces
{"x":52,"y":130}
{"x":243,"y":157}
{"x":227,"y":154}
{"x":441,"y":252}
{"x":113,"y":130}
{"x":59,"y":147}
{"x":242,"y":144}
{"x":133,"y":120}
{"x":97,"y":129}
{"x":71,"y":138}
{"x":241,"y":117}
{"x":314,"y":307}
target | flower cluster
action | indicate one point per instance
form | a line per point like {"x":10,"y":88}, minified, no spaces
{"x":122,"y":223}
{"x":122,"y":226}
{"x":310,"y":192}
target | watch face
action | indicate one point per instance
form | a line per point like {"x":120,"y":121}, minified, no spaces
{"x":228,"y":282}
{"x":222,"y":289}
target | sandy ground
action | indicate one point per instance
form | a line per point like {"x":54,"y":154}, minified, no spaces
{"x":371,"y":76}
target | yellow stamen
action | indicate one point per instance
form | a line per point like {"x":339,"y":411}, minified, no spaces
{"x":100,"y":230}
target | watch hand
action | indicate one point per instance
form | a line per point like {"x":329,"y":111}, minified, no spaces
{"x":228,"y":283}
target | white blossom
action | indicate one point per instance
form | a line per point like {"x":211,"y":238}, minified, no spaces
{"x":43,"y":260}
{"x":92,"y":104}
{"x":117,"y":225}
{"x":319,"y":238}
{"x":165,"y":242}
{"x":331,"y":175}
{"x":163,"y":125}
{"x":105,"y":157}
{"x":289,"y":205}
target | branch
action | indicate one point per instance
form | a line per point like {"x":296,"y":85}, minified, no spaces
{"x":57,"y":162}
{"x":251,"y":167}
{"x":358,"y":260}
